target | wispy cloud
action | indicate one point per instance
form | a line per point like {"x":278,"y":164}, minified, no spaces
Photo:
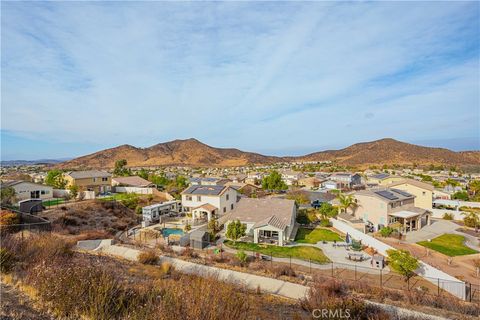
{"x":259,"y":76}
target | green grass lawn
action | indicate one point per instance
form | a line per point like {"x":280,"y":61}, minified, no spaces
{"x":300,"y":252}
{"x":315,"y":235}
{"x":448,"y":244}
{"x":53,"y":202}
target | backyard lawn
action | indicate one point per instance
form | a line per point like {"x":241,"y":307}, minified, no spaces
{"x":53,"y":202}
{"x":299,"y":252}
{"x":449,"y":244}
{"x":315,"y":235}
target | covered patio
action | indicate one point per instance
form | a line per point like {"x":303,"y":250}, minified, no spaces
{"x":411,"y":219}
{"x":204,"y":212}
{"x":270,"y":230}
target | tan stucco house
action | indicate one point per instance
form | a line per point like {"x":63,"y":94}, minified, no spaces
{"x":422,"y":191}
{"x":268,"y":220}
{"x":386,"y":206}
{"x":383,"y":179}
{"x":90,"y":180}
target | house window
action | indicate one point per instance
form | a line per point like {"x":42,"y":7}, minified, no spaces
{"x":227,"y":197}
{"x":104,"y":179}
{"x":224,"y":209}
{"x":424,"y":193}
{"x":94,"y":179}
{"x":199,"y":198}
{"x":231,"y":206}
{"x":43,"y":192}
{"x":189,"y":198}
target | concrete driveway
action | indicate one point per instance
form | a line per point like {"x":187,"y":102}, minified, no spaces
{"x":437,"y":228}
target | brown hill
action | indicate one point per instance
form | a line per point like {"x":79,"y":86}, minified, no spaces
{"x":389,"y":151}
{"x":192,"y":152}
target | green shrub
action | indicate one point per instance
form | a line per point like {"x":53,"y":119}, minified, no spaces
{"x":325,"y":223}
{"x":386,"y":231}
{"x":241,"y":256}
{"x":469,"y":222}
{"x":7,"y":260}
{"x":447,"y":216}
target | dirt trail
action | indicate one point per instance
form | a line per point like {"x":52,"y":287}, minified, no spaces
{"x":14,"y":305}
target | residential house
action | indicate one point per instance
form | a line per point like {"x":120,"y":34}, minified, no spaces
{"x":208,"y":181}
{"x":133,"y":181}
{"x":246,"y":189}
{"x":238,"y":178}
{"x":309,"y":182}
{"x":442,"y":194}
{"x":268,"y":220}
{"x":292,"y":177}
{"x":91,"y":180}
{"x":207,"y":201}
{"x":382,"y":207}
{"x":383,"y":179}
{"x":255,"y":178}
{"x":28,"y":190}
{"x":346,"y":180}
{"x":422,"y":191}
{"x":331,"y":185}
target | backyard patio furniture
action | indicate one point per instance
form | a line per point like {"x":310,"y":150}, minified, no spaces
{"x":355,"y":256}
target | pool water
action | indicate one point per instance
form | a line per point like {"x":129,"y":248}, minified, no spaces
{"x":168,"y":231}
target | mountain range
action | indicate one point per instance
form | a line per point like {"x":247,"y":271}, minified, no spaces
{"x":191,"y":152}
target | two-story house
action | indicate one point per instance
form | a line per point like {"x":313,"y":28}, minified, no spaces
{"x":346,"y":180}
{"x":208,"y":181}
{"x":422,"y":191}
{"x":206,"y":201}
{"x":383,"y":207}
{"x":91,"y":180}
{"x":291,"y":177}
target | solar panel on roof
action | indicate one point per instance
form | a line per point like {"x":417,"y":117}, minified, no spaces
{"x":403,"y":193}
{"x":387,"y":194}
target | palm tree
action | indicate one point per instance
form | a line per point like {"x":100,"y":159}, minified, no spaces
{"x":346,"y":202}
{"x":474,"y":217}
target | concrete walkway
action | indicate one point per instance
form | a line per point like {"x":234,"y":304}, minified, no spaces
{"x":265,"y":284}
{"x":273,"y":286}
{"x":437,"y":228}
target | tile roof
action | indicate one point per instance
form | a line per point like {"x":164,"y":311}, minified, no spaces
{"x":207,"y":206}
{"x":273,"y":221}
{"x":413,"y":182}
{"x":132,"y":181}
{"x":273,"y":211}
{"x":88,"y":174}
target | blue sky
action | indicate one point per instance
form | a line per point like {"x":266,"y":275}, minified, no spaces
{"x":276,"y":78}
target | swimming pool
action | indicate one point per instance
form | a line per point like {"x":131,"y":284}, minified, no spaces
{"x":168,"y":231}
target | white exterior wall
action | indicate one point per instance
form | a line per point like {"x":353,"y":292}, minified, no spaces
{"x":426,"y":271}
{"x":136,"y":190}
{"x":23,"y":190}
{"x":219,"y":202}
